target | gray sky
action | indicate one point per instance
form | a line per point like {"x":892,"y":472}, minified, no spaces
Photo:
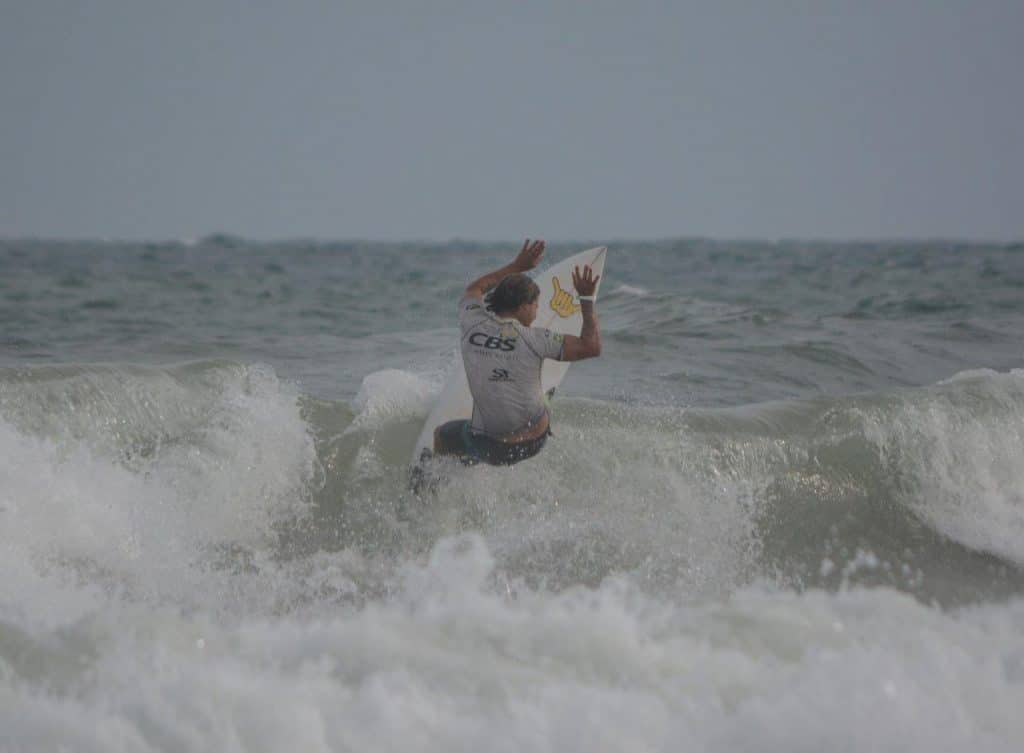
{"x":498,"y":120}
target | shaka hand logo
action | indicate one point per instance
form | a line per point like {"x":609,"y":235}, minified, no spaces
{"x":562,"y":302}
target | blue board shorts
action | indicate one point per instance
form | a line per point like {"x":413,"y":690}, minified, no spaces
{"x":474,"y":447}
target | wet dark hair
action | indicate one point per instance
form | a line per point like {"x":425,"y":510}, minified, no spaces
{"x":512,"y":292}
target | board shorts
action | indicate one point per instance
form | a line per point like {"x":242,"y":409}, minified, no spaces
{"x":474,"y":447}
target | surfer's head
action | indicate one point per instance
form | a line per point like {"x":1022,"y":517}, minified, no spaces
{"x":516,"y":295}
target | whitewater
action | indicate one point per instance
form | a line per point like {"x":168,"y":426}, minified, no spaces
{"x":783,"y":511}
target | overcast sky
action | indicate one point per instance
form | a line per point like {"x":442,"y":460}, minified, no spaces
{"x":497,"y":120}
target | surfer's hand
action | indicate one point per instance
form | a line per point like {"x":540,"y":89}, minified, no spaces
{"x":584,"y":283}
{"x":529,"y":256}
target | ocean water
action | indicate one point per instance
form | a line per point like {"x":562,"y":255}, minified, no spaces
{"x":784,"y":511}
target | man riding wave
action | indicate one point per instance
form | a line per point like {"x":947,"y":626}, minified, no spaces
{"x":503,"y":355}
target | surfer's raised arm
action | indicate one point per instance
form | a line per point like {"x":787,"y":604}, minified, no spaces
{"x":528,"y":257}
{"x":588,"y":344}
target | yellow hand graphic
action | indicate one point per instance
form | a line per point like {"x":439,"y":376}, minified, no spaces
{"x":563,"y":302}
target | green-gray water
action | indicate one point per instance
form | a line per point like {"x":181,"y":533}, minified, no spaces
{"x":783,"y":510}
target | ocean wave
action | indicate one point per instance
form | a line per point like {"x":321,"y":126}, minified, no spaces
{"x":630,"y":290}
{"x":896,"y":306}
{"x":914,"y":488}
{"x":155,"y":482}
{"x":154,"y":479}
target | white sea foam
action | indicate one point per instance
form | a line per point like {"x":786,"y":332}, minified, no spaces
{"x":392,"y":394}
{"x":80,"y":509}
{"x":604,"y":607}
{"x":449,"y":663}
{"x":635,"y":290}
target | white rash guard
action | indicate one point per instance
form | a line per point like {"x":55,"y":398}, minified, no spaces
{"x":503,"y":360}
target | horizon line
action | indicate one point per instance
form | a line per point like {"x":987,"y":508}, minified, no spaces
{"x":225,"y":238}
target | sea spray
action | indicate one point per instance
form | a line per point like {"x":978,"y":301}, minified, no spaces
{"x":143,"y":494}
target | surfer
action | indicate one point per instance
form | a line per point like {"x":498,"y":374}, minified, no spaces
{"x":503,"y":354}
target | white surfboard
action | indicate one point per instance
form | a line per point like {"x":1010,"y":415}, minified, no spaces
{"x":559,"y":311}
